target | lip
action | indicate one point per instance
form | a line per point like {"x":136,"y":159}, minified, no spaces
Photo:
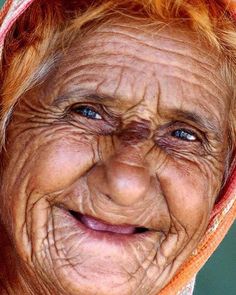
{"x":81,"y":223}
{"x":102,"y":226}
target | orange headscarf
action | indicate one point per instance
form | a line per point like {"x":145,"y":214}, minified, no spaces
{"x":224,"y":212}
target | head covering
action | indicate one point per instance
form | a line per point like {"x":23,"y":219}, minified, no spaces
{"x":223,"y":214}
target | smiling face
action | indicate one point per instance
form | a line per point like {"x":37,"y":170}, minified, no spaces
{"x":114,"y":163}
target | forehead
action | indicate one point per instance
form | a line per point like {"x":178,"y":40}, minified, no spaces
{"x":128,"y":62}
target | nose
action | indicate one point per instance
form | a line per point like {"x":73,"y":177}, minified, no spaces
{"x":124,"y":177}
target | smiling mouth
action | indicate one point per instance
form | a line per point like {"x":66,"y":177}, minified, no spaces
{"x":101,"y":226}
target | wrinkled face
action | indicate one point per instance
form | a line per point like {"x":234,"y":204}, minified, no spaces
{"x":114,"y":163}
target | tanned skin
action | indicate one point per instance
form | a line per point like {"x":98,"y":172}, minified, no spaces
{"x":130,"y":130}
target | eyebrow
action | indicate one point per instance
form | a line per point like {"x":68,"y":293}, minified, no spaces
{"x":204,"y":123}
{"x":207,"y":125}
{"x":87,"y":94}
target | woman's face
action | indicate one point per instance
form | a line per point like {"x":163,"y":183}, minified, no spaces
{"x":113,"y":164}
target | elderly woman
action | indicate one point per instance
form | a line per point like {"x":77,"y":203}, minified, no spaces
{"x":118,"y":138}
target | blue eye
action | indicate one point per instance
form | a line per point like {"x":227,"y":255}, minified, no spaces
{"x":88,"y":112}
{"x":183,"y":134}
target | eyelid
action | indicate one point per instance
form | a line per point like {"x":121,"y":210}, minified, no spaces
{"x":95,"y":107}
{"x":107,"y":116}
{"x":186,"y":126}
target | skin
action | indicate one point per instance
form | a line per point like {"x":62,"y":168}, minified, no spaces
{"x":131,"y":129}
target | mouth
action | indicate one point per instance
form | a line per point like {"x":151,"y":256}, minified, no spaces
{"x":98,"y":225}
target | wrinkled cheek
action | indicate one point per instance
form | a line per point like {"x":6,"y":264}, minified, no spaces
{"x":37,"y":230}
{"x":51,"y":168}
{"x":59,"y":166}
{"x":189,"y":197}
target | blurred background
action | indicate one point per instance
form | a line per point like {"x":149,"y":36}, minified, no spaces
{"x":218,"y":276}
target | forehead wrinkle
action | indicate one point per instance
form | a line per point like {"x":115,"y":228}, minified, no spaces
{"x":74,"y":75}
{"x":180,"y":51}
{"x":129,"y":54}
{"x":97,"y":81}
{"x":201,"y":85}
{"x":75,"y":79}
{"x":124,"y":56}
{"x":141,"y":36}
{"x":129,"y":48}
{"x":104,"y":62}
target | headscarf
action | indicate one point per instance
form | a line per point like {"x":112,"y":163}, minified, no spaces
{"x":224,"y":212}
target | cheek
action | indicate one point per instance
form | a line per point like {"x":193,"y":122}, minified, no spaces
{"x":60,"y":164}
{"x":41,"y":166}
{"x":190,"y":193}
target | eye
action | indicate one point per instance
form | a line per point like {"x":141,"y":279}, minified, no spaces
{"x":184,"y":134}
{"x":87,"y":111}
